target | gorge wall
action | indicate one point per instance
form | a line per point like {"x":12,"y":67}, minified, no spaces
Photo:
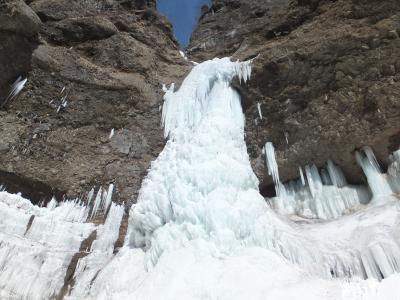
{"x":326,"y":76}
{"x":92,"y":67}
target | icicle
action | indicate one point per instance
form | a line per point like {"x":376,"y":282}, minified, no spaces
{"x":90,"y":196}
{"x":16,"y":88}
{"x":302,"y":175}
{"x":326,"y":179}
{"x":272,"y":167}
{"x":286,"y":134}
{"x":336,"y":174}
{"x":310,"y":181}
{"x":378,"y":182}
{"x":111,"y":134}
{"x":372,"y":159}
{"x":52,"y":204}
{"x":259,"y":110}
{"x":108,"y":199}
{"x":97,"y":203}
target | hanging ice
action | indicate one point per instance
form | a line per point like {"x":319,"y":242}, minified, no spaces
{"x":187,"y":107}
{"x":15,"y":89}
{"x":302,"y":176}
{"x":272,"y":167}
{"x":325,"y":195}
{"x":200,"y":216}
{"x":111,"y":134}
{"x":377,"y":181}
{"x":259,"y":110}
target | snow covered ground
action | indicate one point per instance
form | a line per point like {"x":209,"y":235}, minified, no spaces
{"x":201,"y":230}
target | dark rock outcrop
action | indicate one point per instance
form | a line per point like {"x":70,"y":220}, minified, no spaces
{"x":98,"y":66}
{"x":19,"y":28}
{"x":326,"y":74}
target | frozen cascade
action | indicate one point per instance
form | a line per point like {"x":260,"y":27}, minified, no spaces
{"x":200,"y":229}
{"x":100,"y":253}
{"x":37,"y":244}
{"x":34,"y":260}
{"x":200,"y":225}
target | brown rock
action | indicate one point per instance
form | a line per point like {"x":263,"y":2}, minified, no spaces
{"x":108,"y":64}
{"x":325,"y":77}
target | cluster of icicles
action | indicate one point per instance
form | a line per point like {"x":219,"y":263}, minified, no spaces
{"x":325,"y":193}
{"x":38,"y":244}
{"x":200,"y":226}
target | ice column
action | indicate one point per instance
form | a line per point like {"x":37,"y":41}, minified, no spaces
{"x":377,"y":181}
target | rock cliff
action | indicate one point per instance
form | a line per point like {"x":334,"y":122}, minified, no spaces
{"x":93,"y":67}
{"x":326,"y":76}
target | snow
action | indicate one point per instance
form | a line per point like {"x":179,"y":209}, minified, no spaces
{"x":201,"y":229}
{"x":183,"y":55}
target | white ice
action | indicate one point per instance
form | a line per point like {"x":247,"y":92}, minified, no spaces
{"x":15,"y":89}
{"x":34,"y":261}
{"x":201,"y":230}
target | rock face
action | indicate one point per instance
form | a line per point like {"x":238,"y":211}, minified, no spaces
{"x":19,"y":27}
{"x":326,"y":76}
{"x":94,"y":67}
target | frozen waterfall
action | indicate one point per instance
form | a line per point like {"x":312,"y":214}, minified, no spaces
{"x":201,"y":229}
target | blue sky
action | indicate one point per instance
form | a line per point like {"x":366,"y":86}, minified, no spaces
{"x":183,"y":15}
